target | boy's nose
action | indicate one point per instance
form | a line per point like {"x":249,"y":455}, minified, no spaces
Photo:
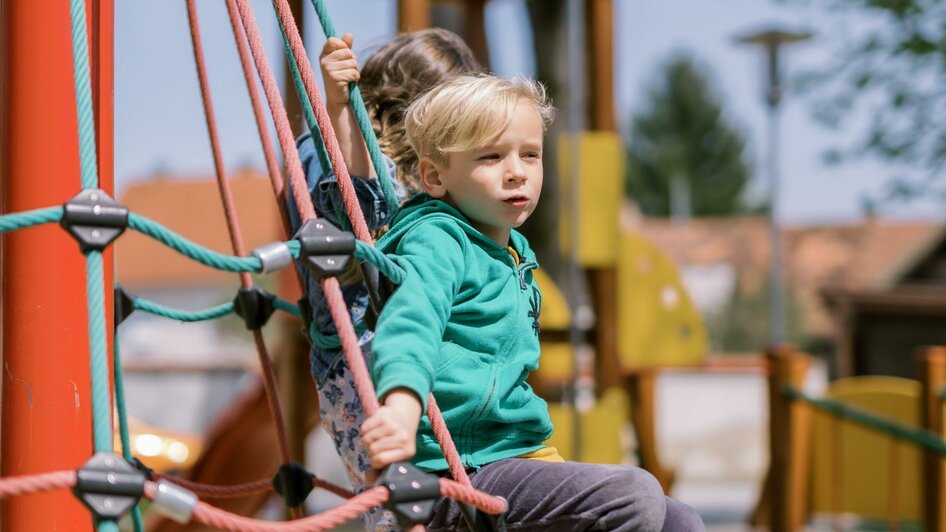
{"x":516,"y":171}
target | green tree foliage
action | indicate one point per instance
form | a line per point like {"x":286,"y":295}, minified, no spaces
{"x":682,"y":144}
{"x":891,"y":69}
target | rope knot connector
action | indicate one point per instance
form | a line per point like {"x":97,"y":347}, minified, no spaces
{"x":294,"y":482}
{"x":94,"y":219}
{"x":413,"y":493}
{"x":324,"y":248}
{"x":255,"y":306}
{"x":109,"y":486}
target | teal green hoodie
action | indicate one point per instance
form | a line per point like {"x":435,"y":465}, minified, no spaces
{"x":465,"y":325}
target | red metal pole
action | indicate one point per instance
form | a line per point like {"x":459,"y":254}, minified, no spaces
{"x":46,"y":403}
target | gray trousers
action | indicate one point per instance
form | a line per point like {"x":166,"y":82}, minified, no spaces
{"x":571,"y":496}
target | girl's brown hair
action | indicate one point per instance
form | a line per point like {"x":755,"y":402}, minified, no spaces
{"x":396,"y":74}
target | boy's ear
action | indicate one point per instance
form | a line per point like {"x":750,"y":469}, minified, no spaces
{"x":430,"y":178}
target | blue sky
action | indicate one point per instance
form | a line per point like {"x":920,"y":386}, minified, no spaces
{"x":160,"y":125}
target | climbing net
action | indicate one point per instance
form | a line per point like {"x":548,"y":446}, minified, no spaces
{"x":111,"y":485}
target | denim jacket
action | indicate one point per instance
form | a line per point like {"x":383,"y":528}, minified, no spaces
{"x":323,"y":188}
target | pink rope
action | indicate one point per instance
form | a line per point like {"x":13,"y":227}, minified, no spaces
{"x":274,"y":99}
{"x":229,"y":208}
{"x":488,"y":503}
{"x":215,"y":517}
{"x":457,"y":471}
{"x":352,"y":206}
{"x":332,"y":488}
{"x":221,"y":492}
{"x":236,"y":239}
{"x":27,"y":484}
{"x":333,"y":294}
{"x":272,"y":165}
{"x":349,"y":340}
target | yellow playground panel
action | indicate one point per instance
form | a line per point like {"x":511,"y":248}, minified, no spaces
{"x":600,"y":427}
{"x":658,"y":325}
{"x":592,"y":205}
{"x":861,"y":471}
{"x":600,"y":430}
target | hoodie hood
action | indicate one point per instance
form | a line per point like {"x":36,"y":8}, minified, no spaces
{"x":424,"y":207}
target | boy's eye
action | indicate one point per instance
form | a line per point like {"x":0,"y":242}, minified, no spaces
{"x":489,"y":157}
{"x":531,"y":155}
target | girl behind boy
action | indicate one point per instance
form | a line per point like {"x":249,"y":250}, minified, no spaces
{"x":391,"y":78}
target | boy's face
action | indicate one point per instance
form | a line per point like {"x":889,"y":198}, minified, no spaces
{"x":498,"y":185}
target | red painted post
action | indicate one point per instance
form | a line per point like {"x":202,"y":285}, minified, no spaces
{"x":46,"y":404}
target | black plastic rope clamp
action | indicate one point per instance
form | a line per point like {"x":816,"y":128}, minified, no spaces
{"x":109,"y":486}
{"x":325,"y":249}
{"x":413,"y":493}
{"x":294,"y":483}
{"x":94,"y":219}
{"x":255,"y":306}
{"x":145,"y":470}
{"x":124,"y":305}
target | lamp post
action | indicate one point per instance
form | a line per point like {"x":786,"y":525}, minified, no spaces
{"x":771,"y":40}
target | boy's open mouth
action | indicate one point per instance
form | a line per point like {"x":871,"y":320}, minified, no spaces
{"x":516,"y":201}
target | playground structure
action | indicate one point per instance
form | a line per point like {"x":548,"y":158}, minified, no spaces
{"x":29,"y":333}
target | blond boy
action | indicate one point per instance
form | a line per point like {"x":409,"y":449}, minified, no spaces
{"x":464,"y":323}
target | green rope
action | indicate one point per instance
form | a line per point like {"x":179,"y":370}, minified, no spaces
{"x":364,"y":121}
{"x":20,"y":220}
{"x":921,"y":437}
{"x":331,"y":341}
{"x":102,"y":418}
{"x":136,"y":519}
{"x":287,"y":307}
{"x":385,"y":264}
{"x":80,"y":62}
{"x":182,"y":315}
{"x":211,"y":313}
{"x":942,"y":395}
{"x":197,"y":252}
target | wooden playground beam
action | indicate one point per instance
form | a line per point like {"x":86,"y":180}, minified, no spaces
{"x":413,"y":15}
{"x":932,"y":371}
{"x":46,"y":400}
{"x":789,"y":441}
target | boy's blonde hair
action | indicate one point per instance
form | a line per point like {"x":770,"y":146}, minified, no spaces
{"x":467,"y":112}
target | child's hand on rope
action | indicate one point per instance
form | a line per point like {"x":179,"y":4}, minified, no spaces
{"x":389,"y":435}
{"x":339,"y":67}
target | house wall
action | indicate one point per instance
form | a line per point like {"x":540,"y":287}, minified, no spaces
{"x":886,"y":344}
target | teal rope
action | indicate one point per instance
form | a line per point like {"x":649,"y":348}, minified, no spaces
{"x":942,"y":395}
{"x":102,"y":418}
{"x":137,"y":521}
{"x":331,"y":341}
{"x":20,"y":220}
{"x":108,"y":526}
{"x":211,"y":313}
{"x":199,"y":253}
{"x":921,"y":437}
{"x":182,"y":315}
{"x":287,"y":307}
{"x":80,"y":62}
{"x":367,"y":253}
{"x":364,"y":121}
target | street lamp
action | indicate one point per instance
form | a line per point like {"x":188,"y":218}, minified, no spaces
{"x":771,"y":40}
